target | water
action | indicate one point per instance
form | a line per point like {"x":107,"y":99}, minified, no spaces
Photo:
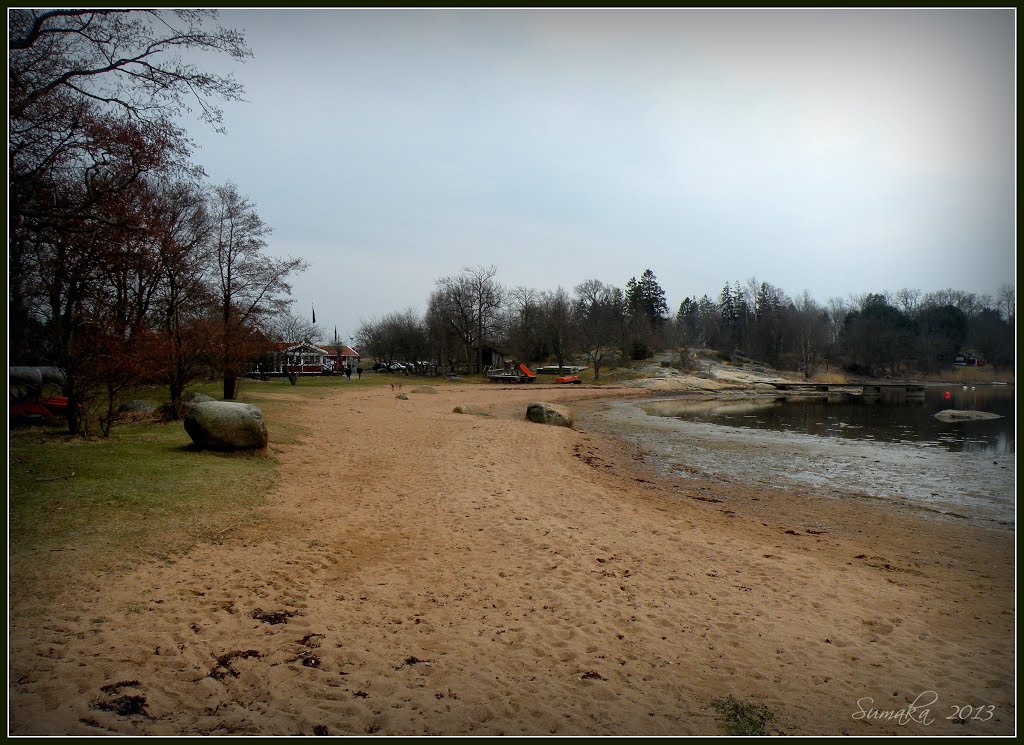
{"x":886,"y":451}
{"x":852,"y":418}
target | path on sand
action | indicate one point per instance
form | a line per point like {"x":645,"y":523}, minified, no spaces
{"x":424,"y":572}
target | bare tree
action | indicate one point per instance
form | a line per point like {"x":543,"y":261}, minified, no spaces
{"x":184,"y":230}
{"x":908,"y":300}
{"x":487,"y":297}
{"x":1007,"y":302}
{"x":811,"y":330}
{"x":124,"y":61}
{"x":92,"y":101}
{"x":523,"y":323}
{"x":557,"y":324}
{"x":837,"y":312}
{"x":452,"y":314}
{"x":468,"y":305}
{"x":288,"y":327}
{"x":599,"y":311}
{"x":250,"y":284}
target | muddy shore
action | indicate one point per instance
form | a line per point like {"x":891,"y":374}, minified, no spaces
{"x":968,"y":486}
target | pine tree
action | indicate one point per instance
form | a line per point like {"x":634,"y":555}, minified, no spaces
{"x":647,"y":298}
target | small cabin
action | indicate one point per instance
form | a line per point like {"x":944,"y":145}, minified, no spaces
{"x":968,"y":359}
{"x":288,"y":357}
{"x":341,"y":357}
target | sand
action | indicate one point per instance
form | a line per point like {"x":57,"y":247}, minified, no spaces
{"x":426,"y":572}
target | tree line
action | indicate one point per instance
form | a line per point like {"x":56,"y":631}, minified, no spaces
{"x":602,"y":324}
{"x":125,"y":265}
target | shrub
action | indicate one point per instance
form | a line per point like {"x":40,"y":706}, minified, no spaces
{"x":744,"y":717}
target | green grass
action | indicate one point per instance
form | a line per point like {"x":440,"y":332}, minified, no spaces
{"x":108,"y":503}
{"x":744,"y":718}
{"x":103,"y":505}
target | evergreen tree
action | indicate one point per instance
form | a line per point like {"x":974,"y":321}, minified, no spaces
{"x":645,"y":297}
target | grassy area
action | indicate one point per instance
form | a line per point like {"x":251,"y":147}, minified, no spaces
{"x":744,"y":718}
{"x":985,"y":374}
{"x":834,"y":377}
{"x":106,"y":504}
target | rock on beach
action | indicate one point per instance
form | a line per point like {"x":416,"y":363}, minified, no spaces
{"x":226,"y":425}
{"x":545,"y":413}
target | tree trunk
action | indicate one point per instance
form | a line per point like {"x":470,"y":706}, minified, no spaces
{"x":74,"y":420}
{"x":230,"y":385}
{"x":108,"y":421}
{"x":177,"y":391}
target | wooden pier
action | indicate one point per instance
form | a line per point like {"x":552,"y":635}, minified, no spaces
{"x":894,"y":392}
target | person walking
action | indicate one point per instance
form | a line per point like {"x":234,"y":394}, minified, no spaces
{"x":359,"y":372}
{"x":348,"y":373}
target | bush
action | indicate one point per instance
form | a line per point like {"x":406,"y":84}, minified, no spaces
{"x":686,"y":360}
{"x":744,"y":718}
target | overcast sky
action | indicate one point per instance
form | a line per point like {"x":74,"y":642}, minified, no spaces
{"x":834,"y":151}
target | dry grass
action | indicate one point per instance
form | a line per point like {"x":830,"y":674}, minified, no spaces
{"x":833,"y":377}
{"x":973,"y":375}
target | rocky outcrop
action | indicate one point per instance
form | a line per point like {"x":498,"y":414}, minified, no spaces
{"x":403,"y":396}
{"x":470,"y":409}
{"x":226,"y":425}
{"x":545,"y":413}
{"x":953,"y":415}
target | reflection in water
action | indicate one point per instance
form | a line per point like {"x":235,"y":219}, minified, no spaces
{"x":854,"y":418}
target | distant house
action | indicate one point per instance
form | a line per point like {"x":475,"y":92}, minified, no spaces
{"x":968,"y":359}
{"x":286,"y":357}
{"x":282,"y":358}
{"x":342,"y":356}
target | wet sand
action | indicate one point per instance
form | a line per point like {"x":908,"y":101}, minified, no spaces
{"x":426,"y":572}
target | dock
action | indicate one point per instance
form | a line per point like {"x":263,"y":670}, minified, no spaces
{"x":870,"y":391}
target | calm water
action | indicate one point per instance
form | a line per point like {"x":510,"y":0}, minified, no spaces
{"x":901,"y":423}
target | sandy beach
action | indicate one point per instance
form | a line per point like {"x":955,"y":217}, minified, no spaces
{"x":422,"y":572}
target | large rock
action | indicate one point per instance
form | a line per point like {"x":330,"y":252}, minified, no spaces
{"x":470,"y":409}
{"x":545,"y":413}
{"x":191,"y":399}
{"x":967,"y":415}
{"x":226,"y":425}
{"x":136,"y":410}
{"x":136,"y":406}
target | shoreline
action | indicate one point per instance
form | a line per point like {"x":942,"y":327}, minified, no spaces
{"x":965,"y":486}
{"x":440,"y":573}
